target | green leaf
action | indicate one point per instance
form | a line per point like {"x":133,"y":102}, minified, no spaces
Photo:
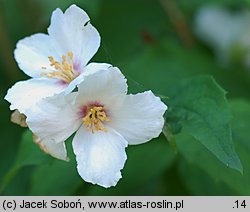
{"x":195,"y":154}
{"x":199,"y":182}
{"x":57,"y":177}
{"x":141,"y":27}
{"x":200,"y":106}
{"x":198,"y":157}
{"x":241,"y":123}
{"x":165,"y":64}
{"x":10,"y":137}
{"x":28,"y":154}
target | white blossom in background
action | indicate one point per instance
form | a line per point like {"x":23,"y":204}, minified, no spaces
{"x":105,"y":120}
{"x":226,"y":32}
{"x":56,"y":62}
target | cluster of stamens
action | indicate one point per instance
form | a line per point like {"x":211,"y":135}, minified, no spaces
{"x":64,"y":70}
{"x":94,"y":118}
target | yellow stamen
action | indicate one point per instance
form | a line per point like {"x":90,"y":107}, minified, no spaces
{"x":64,"y":70}
{"x":95,"y":118}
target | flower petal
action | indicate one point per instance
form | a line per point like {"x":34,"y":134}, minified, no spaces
{"x":71,"y":31}
{"x":89,"y":69}
{"x":32,"y":54}
{"x":100,"y":156}
{"x":18,"y":118}
{"x":92,"y":68}
{"x":55,"y":118}
{"x":140,"y":118}
{"x":56,"y":150}
{"x":26,"y":94}
{"x":106,"y":87}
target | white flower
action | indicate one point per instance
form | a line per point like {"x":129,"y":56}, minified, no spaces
{"x":105,"y":120}
{"x":57,"y":61}
{"x":228,"y":33}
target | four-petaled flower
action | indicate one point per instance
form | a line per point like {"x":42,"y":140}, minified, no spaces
{"x":105,"y":120}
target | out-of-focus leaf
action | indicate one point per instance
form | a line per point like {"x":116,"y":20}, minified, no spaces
{"x":28,"y":154}
{"x":145,"y":163}
{"x":201,"y":108}
{"x":162,"y":66}
{"x":140,"y":25}
{"x":199,"y":182}
{"x":241,"y":123}
{"x":57,"y":177}
{"x":10,"y":137}
{"x":20,"y":182}
{"x":159,"y":68}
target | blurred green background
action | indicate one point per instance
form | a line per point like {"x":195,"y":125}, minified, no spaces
{"x":153,"y":43}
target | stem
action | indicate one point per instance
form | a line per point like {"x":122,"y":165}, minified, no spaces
{"x":170,"y":137}
{"x":178,"y":20}
{"x":8,"y":178}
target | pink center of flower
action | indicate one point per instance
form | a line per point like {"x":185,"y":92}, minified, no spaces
{"x":94,"y":116}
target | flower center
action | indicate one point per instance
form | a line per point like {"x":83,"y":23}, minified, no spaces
{"x":94,"y":118}
{"x":64,"y":70}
